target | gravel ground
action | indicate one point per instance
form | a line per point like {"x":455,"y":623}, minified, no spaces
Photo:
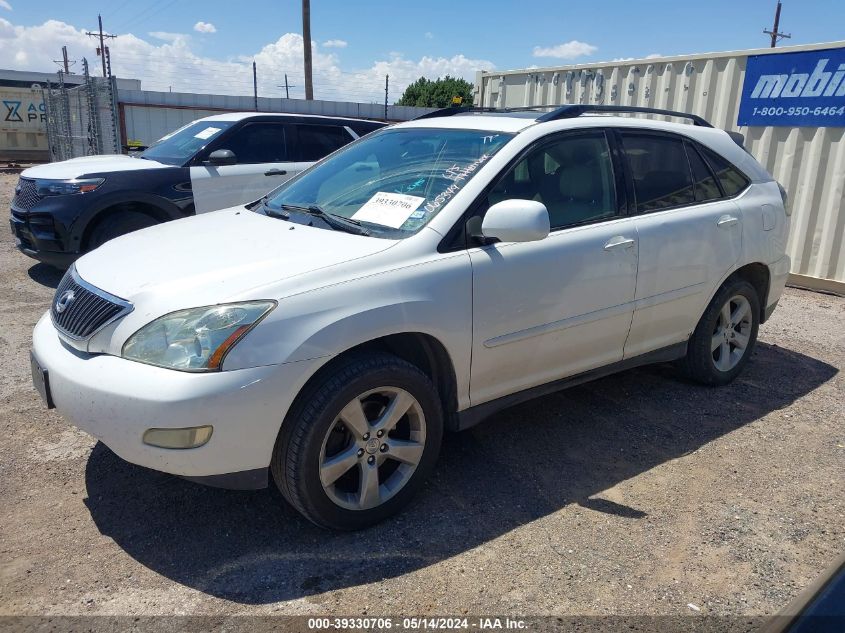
{"x":635,"y":494}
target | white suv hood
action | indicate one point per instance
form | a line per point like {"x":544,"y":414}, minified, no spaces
{"x":216,"y":257}
{"x":78,"y":167}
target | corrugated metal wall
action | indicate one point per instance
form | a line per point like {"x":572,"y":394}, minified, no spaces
{"x":808,"y":162}
{"x":148,"y":115}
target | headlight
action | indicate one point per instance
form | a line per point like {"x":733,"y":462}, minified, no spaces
{"x":63,"y":187}
{"x":197,"y":339}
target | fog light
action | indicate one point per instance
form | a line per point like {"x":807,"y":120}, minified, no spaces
{"x":190,"y":437}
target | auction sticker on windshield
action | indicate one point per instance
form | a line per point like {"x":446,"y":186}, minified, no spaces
{"x":388,"y":209}
{"x":207,"y":133}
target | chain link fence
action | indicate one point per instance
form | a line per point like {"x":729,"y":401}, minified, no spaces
{"x":82,"y":120}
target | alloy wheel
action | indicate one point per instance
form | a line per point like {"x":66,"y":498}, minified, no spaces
{"x":372,"y":448}
{"x":732,"y":333}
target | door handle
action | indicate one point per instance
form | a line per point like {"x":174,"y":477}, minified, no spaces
{"x":726,"y":221}
{"x":619,"y":242}
{"x":275,"y":172}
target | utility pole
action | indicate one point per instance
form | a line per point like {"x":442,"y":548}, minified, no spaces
{"x":287,"y":87}
{"x":306,"y":42}
{"x":386,"y":85}
{"x":255,"y":85}
{"x":775,"y":33}
{"x":64,"y":61}
{"x":103,"y":50}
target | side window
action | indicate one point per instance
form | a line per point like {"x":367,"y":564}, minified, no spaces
{"x":316,"y":141}
{"x":258,"y":143}
{"x":660,"y":170}
{"x":572,"y":176}
{"x":730,"y":178}
{"x":706,"y":187}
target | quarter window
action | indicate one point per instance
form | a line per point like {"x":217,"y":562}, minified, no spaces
{"x":572,"y":177}
{"x":660,"y":170}
{"x":730,"y":178}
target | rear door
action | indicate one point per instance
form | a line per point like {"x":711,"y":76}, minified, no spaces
{"x":690,"y":237}
{"x":264,"y":161}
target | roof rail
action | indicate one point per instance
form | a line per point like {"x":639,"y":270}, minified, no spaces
{"x":573,"y":111}
{"x":452,"y":111}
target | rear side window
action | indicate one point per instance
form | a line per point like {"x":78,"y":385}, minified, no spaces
{"x":706,"y":187}
{"x":316,"y":141}
{"x":731,"y":179}
{"x":660,"y":170}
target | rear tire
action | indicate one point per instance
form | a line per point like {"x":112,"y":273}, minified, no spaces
{"x":118,"y":224}
{"x":725,"y":336}
{"x":359,"y":441}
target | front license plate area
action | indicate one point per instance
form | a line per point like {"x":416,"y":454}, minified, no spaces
{"x":41,"y":381}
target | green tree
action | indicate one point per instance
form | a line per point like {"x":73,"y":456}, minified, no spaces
{"x":437,"y":93}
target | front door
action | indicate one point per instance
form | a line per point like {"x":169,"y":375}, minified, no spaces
{"x":263,"y":163}
{"x":556,"y":307}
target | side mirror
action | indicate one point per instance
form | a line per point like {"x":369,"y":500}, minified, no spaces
{"x":516,"y":221}
{"x":222,"y":157}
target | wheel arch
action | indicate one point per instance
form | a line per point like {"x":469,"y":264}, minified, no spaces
{"x":422,"y":350}
{"x":759,"y":276}
{"x":116,"y":209}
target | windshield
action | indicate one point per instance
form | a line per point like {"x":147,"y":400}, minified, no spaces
{"x":392,"y":182}
{"x":178,"y":147}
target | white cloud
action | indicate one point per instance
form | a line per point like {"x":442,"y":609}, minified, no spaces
{"x":5,"y":5}
{"x":205,"y":27}
{"x":169,"y":61}
{"x":335,"y":43}
{"x":567,"y":50}
{"x":429,"y":35}
{"x":168,"y":37}
{"x":653,"y":56}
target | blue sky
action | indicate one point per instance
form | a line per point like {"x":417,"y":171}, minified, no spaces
{"x":360,"y":41}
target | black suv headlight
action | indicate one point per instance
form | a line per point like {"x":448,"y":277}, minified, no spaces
{"x":46,"y":187}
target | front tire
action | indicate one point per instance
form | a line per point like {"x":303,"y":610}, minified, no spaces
{"x":118,"y":224}
{"x":725,"y":336}
{"x":359,"y":441}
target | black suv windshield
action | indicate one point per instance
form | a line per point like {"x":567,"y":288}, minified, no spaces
{"x":180,"y":146}
{"x":394,"y":181}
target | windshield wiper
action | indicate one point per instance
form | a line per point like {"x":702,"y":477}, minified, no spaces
{"x":336,"y":222}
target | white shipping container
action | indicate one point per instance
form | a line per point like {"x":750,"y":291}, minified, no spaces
{"x":808,"y":161}
{"x":23,"y":135}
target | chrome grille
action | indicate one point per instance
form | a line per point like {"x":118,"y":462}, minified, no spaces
{"x":26,"y":195}
{"x":80,"y":310}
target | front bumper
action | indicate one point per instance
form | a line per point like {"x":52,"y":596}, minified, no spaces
{"x":116,"y":400}
{"x":36,"y":238}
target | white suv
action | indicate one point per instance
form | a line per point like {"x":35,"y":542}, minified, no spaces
{"x":417,"y":280}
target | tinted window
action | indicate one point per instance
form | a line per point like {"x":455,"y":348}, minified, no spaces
{"x":258,"y":143}
{"x":316,"y":141}
{"x":730,"y":178}
{"x":706,"y":187}
{"x":660,"y":170}
{"x":573,"y":177}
